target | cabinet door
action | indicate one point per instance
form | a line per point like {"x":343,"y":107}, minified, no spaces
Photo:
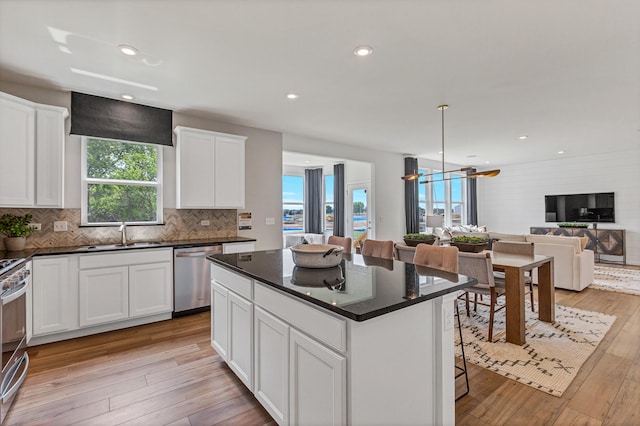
{"x":219,"y":319}
{"x":150,"y":289}
{"x":240,"y":351}
{"x":17,"y":150}
{"x":52,"y":296}
{"x":104,"y":295}
{"x":50,"y":157}
{"x":317,"y":386}
{"x":271,"y":373}
{"x":195,"y":157}
{"x":229,"y":172}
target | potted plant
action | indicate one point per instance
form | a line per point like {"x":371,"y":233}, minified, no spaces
{"x":16,"y":229}
{"x":573,"y":225}
{"x":469,"y":244}
{"x":414,"y":239}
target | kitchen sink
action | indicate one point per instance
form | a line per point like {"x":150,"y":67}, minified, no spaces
{"x":119,"y":246}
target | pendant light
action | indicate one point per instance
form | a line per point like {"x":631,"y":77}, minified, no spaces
{"x":473,"y":175}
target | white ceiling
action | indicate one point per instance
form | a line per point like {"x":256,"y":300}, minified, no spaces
{"x":564,"y":72}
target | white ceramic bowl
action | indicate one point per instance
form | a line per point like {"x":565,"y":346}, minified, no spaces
{"x":326,"y":277}
{"x":317,"y":255}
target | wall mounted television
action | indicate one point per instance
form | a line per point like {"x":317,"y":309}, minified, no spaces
{"x":594,"y":207}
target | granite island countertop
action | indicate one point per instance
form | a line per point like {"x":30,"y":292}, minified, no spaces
{"x":360,"y":288}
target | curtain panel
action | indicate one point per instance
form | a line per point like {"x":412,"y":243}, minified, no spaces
{"x":472,"y":200}
{"x":411,"y":205}
{"x":338,"y":201}
{"x":313,"y":201}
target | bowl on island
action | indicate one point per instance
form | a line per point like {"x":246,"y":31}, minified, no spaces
{"x":317,"y":255}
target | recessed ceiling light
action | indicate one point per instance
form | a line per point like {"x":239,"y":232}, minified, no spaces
{"x":292,"y":96}
{"x":128,"y":50}
{"x":523,"y":137}
{"x":439,"y":152}
{"x":307,"y":161}
{"x":127,"y":97}
{"x":487,"y":162}
{"x":363,"y":50}
{"x":560,"y":152}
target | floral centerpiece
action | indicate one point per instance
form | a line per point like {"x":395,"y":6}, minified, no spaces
{"x":573,"y":225}
{"x":470,"y":244}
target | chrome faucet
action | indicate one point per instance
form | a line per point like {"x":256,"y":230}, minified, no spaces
{"x":123,"y":229}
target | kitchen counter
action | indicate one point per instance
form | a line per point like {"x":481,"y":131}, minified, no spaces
{"x":107,"y":246}
{"x":371,"y":287}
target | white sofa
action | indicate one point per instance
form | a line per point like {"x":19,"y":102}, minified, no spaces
{"x":572,"y":265}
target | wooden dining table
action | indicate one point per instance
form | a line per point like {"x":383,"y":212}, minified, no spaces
{"x":514,"y":267}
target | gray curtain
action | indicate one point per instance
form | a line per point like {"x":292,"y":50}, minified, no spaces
{"x":472,"y":200}
{"x":338,"y":200}
{"x":313,"y":201}
{"x":411,"y":205}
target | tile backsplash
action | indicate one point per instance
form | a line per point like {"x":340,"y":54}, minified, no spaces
{"x":178,"y":225}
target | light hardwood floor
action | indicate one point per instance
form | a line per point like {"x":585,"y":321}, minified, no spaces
{"x":167,"y":373}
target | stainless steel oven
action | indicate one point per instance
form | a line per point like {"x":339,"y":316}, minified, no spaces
{"x":13,"y":332}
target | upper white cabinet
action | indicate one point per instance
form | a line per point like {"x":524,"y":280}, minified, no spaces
{"x":209,"y":169}
{"x":32,"y":141}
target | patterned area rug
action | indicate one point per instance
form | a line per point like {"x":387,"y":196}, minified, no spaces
{"x":616,"y":279}
{"x":553,"y":354}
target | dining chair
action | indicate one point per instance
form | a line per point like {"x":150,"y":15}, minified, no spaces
{"x":478,"y":266}
{"x":377,"y":248}
{"x":444,"y":259}
{"x":437,"y":257}
{"x":345,"y":242}
{"x":404,"y":252}
{"x":519,"y":248}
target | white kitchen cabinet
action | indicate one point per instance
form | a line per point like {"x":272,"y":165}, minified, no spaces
{"x":54,"y":295}
{"x":240,"y":351}
{"x":32,"y":138}
{"x":219,"y":322}
{"x":271,"y":364}
{"x":104,"y":295}
{"x":317,"y":384}
{"x":150,"y":289}
{"x":116,"y":286}
{"x":209,"y":169}
{"x":242,"y":247}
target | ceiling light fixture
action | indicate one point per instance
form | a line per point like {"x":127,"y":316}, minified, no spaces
{"x":523,"y":137}
{"x":127,"y":97}
{"x":560,"y":152}
{"x":473,"y":175}
{"x":363,"y":50}
{"x":292,"y":96}
{"x":128,"y":50}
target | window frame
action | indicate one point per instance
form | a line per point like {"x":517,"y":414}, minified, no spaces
{"x":85,"y":181}
{"x":294,"y":203}
{"x":325,"y":203}
{"x":448,"y":198}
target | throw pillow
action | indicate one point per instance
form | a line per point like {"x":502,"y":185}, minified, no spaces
{"x":482,"y":228}
{"x":583,"y":242}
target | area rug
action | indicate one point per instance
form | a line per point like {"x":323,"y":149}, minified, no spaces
{"x":616,"y":279}
{"x":553,"y":354}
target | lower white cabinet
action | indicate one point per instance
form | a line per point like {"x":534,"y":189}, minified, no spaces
{"x":104,"y":295}
{"x":271,"y":371}
{"x":240,"y":354}
{"x":150,"y":289}
{"x":317,"y":384}
{"x":53,"y":295}
{"x":219,"y":321}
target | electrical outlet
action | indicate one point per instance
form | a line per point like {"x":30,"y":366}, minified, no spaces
{"x":59,"y":226}
{"x":36,"y":226}
{"x":204,"y":223}
{"x":270,"y":221}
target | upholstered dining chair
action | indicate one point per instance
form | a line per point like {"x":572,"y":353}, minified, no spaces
{"x":404,"y":252}
{"x":377,"y":248}
{"x":478,"y":266}
{"x":341,"y":241}
{"x":519,"y":248}
{"x":437,"y":257}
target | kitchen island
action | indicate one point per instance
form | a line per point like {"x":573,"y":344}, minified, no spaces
{"x":367,"y":342}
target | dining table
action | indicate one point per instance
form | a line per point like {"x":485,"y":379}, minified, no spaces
{"x":514,"y":267}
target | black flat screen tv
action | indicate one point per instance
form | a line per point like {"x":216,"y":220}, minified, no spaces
{"x":594,"y":207}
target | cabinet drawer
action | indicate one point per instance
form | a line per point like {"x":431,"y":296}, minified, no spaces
{"x":238,"y":247}
{"x":323,"y":327}
{"x":234,"y":282}
{"x":123,"y":258}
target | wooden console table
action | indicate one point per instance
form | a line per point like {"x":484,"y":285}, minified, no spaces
{"x":609,"y":242}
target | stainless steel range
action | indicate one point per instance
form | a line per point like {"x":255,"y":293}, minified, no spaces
{"x":14,"y":282}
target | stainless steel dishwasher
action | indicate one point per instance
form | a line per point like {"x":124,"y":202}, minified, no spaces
{"x":192,"y":279}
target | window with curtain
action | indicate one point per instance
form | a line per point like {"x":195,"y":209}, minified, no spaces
{"x":328,"y":203}
{"x":121,"y":182}
{"x":292,"y":203}
{"x":442,"y":197}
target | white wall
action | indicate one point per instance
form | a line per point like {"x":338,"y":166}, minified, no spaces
{"x":386,"y":185}
{"x":514,"y":200}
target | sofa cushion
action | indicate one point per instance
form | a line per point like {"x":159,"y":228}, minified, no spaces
{"x":553,"y":239}
{"x":520,"y":238}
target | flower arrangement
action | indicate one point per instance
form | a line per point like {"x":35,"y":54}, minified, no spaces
{"x":572,"y":225}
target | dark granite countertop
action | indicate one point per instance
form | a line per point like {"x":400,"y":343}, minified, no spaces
{"x":104,"y":247}
{"x":371,"y":286}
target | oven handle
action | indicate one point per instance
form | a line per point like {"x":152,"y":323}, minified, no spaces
{"x":8,"y":298}
{"x":9,"y":393}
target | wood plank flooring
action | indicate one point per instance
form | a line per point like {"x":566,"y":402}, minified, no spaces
{"x":167,"y":374}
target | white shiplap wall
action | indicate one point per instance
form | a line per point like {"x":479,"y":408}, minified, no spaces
{"x":514,"y":201}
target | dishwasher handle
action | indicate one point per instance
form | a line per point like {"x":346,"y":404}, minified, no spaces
{"x":198,"y":253}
